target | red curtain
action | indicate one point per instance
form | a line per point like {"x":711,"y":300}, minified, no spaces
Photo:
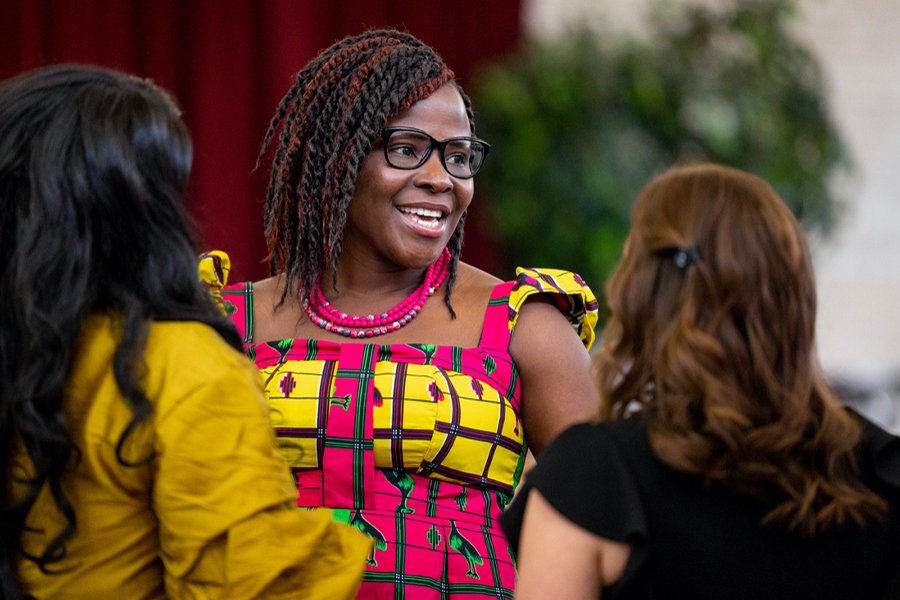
{"x":229,"y":63}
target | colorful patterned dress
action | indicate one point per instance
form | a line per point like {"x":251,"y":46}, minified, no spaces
{"x":417,"y":445}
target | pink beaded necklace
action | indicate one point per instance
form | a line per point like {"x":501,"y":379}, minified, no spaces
{"x":323,"y":314}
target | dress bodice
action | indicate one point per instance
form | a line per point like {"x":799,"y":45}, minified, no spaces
{"x":442,"y":412}
{"x":418,"y":445}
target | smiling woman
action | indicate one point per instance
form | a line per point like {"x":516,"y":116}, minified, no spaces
{"x":408,"y":417}
{"x":407,"y":215}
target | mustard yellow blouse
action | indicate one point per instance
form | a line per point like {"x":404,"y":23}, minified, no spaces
{"x":209,"y":510}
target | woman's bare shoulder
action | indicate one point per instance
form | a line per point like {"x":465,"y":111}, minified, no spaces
{"x":470,"y":278}
{"x":268,"y":292}
{"x":267,"y":286}
{"x":275,"y":317}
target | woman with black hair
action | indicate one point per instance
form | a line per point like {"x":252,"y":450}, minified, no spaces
{"x":136,"y":453}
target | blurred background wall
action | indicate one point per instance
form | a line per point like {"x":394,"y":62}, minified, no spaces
{"x":858,"y":264}
{"x":230,"y":61}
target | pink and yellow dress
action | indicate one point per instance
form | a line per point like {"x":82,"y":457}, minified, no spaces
{"x":419,"y":446}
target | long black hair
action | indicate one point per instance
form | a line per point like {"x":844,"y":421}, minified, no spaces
{"x":93,"y":168}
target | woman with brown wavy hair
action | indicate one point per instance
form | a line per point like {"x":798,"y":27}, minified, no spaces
{"x":724,"y":466}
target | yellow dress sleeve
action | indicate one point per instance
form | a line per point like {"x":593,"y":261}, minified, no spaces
{"x":569,"y":292}
{"x":224,"y":499}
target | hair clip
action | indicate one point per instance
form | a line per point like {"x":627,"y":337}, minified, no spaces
{"x":685,"y":257}
{"x":682,"y":257}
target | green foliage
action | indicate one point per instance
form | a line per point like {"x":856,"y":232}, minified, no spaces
{"x":578,"y":125}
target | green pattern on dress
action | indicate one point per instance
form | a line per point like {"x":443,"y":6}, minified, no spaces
{"x":282,"y":347}
{"x":373,"y":532}
{"x":433,"y":536}
{"x":489,"y":365}
{"x":403,"y":482}
{"x":341,"y":401}
{"x":428,"y":350}
{"x":462,"y":500}
{"x":465,"y":547}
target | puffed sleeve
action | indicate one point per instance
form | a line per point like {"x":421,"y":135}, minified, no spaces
{"x":880,"y":449}
{"x":569,"y":292}
{"x":224,"y":499}
{"x":213,"y":268}
{"x":583,"y":475}
{"x":879,"y":456}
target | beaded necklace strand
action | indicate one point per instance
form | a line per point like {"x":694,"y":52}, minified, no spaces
{"x":323,"y":314}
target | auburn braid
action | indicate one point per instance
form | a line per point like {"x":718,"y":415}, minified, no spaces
{"x":328,"y":120}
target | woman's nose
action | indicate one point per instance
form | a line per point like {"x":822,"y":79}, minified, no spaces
{"x":433,"y":175}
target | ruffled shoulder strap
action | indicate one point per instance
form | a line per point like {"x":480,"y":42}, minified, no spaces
{"x":235,"y":301}
{"x":214,"y":267}
{"x":568,"y":291}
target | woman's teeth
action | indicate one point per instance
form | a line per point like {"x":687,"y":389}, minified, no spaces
{"x":423,"y":216}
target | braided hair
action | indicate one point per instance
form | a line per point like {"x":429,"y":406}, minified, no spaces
{"x":328,"y":121}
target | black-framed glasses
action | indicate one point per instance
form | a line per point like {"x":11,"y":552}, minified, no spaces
{"x":409,"y":148}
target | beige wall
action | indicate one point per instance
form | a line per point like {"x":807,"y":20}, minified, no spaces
{"x":858,"y":268}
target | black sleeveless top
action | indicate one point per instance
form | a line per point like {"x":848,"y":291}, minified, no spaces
{"x":693,"y":541}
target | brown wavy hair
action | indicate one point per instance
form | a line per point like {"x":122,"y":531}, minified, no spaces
{"x":711,"y":337}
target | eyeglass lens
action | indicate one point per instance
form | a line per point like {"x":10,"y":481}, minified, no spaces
{"x":408,"y":149}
